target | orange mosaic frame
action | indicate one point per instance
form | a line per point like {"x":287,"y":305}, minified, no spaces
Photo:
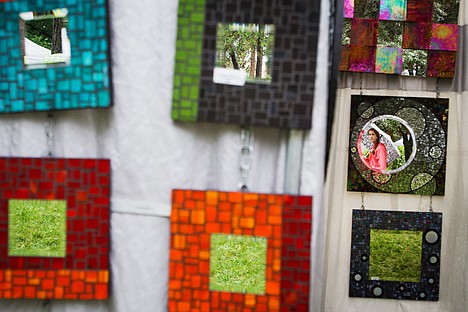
{"x":285,"y":220}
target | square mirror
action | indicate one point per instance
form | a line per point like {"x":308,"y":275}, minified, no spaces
{"x":44,"y":38}
{"x":238,"y":263}
{"x":239,"y":251}
{"x":37,"y":228}
{"x":54,"y":228}
{"x":55,"y":56}
{"x":397,"y":144}
{"x":395,"y":255}
{"x":244,"y":51}
{"x":425,"y":30}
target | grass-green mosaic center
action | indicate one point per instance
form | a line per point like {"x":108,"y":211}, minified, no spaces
{"x":395,"y":255}
{"x":37,"y":228}
{"x":238,"y":263}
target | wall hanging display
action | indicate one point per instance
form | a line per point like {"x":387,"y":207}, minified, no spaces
{"x":235,"y":251}
{"x":395,"y":255}
{"x":246,"y":63}
{"x":55,"y":55}
{"x":397,"y":145}
{"x":407,"y":37}
{"x":54,"y":228}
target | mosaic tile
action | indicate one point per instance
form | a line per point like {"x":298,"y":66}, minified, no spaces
{"x":285,"y":102}
{"x":414,"y":26}
{"x":284,"y":221}
{"x":389,"y":60}
{"x":83,"y":273}
{"x":425,"y":284}
{"x":413,"y":132}
{"x":84,"y":83}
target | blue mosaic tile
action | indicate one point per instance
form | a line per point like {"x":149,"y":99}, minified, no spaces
{"x":84,"y":83}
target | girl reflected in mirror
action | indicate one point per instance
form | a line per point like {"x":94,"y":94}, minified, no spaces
{"x":375,"y":158}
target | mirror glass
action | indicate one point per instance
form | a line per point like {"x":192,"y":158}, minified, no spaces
{"x":247,"y":48}
{"x":37,"y":228}
{"x":238,"y":263}
{"x":395,"y":255}
{"x":387,"y":144}
{"x":44,"y":39}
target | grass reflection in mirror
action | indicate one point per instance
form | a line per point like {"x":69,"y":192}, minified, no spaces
{"x":395,"y":255}
{"x":37,"y":228}
{"x":238,"y":263}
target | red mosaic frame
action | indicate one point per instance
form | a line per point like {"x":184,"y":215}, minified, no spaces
{"x":285,"y":220}
{"x":85,"y":184}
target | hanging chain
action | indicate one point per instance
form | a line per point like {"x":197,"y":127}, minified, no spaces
{"x":360,"y":83}
{"x":430,"y":204}
{"x":437,"y":88}
{"x":246,"y":147}
{"x":49,"y":132}
{"x":362,"y":201}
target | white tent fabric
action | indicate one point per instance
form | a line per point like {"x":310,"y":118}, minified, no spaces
{"x":151,"y":155}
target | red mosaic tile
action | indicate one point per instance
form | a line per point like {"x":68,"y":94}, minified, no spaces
{"x":83,"y":273}
{"x":284,"y":220}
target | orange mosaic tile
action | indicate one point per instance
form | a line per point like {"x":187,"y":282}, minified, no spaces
{"x":54,"y":285}
{"x":285,"y":221}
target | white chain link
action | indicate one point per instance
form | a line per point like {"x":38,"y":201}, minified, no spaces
{"x":49,"y":132}
{"x":246,"y":148}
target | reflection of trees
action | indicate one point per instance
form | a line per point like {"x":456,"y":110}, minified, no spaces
{"x":46,"y":32}
{"x":391,"y":127}
{"x":445,"y":11}
{"x":366,"y":8}
{"x":247,"y":47}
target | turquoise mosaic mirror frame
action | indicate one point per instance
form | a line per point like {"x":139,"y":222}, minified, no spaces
{"x":84,"y":83}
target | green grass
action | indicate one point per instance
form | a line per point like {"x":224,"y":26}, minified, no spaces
{"x":37,"y":228}
{"x":238,"y":263}
{"x":395,"y":255}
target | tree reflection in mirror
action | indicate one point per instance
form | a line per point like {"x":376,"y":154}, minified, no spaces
{"x":44,"y":38}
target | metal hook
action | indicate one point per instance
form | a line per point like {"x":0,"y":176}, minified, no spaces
{"x":362,"y":201}
{"x":49,"y":132}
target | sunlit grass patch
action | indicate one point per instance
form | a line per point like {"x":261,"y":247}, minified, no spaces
{"x":395,"y":255}
{"x":238,"y":263}
{"x":37,"y":228}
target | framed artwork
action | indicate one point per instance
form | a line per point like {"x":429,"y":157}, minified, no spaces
{"x":395,"y":255}
{"x":397,"y":145}
{"x":54,"y":228}
{"x":235,"y":251}
{"x":247,"y":64}
{"x":403,"y":37}
{"x":55,"y":55}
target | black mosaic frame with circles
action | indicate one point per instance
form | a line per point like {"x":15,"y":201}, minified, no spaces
{"x":430,"y":223}
{"x":287,"y":101}
{"x":425,"y":173}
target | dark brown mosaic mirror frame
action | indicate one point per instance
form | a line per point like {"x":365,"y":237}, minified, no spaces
{"x":285,"y":103}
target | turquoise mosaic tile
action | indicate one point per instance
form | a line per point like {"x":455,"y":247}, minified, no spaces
{"x":84,"y":83}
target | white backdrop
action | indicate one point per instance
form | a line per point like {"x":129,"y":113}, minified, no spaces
{"x":151,"y":155}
